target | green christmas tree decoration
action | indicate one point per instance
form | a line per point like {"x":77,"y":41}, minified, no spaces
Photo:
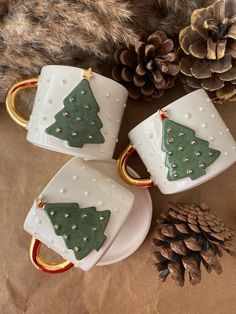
{"x":186,"y":155}
{"x":81,"y":228}
{"x":78,"y":122}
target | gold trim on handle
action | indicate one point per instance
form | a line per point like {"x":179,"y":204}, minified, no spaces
{"x":18,"y":117}
{"x":41,"y":264}
{"x":122,"y":169}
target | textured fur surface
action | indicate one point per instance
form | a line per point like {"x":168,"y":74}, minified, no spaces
{"x":78,"y":32}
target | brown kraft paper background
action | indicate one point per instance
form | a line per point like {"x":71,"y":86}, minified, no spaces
{"x":130,"y":286}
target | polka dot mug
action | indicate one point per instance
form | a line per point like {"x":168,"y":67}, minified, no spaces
{"x":75,"y":111}
{"x":182,"y":146}
{"x":80,"y":208}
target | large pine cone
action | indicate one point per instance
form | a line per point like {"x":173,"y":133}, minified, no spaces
{"x":147,"y":68}
{"x":186,"y":236}
{"x":209,"y":44}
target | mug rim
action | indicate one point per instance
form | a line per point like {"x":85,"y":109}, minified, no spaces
{"x":81,"y":69}
{"x":200,"y":90}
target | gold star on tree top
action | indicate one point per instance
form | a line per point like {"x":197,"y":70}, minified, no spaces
{"x":88,"y":73}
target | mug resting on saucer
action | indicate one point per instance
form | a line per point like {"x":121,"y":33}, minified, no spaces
{"x":76,"y":217}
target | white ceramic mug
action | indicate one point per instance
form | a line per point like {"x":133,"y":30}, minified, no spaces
{"x":181,"y":159}
{"x":54,"y":86}
{"x":77,"y":183}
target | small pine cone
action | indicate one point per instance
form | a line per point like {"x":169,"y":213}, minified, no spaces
{"x":209,"y":45}
{"x":147,"y":68}
{"x":186,"y":237}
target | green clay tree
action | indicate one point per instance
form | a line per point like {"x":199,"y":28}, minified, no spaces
{"x":78,"y":122}
{"x":81,"y":228}
{"x":186,"y":155}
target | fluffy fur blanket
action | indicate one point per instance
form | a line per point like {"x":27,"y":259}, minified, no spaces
{"x":84,"y":33}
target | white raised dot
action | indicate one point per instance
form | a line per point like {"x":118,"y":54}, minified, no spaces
{"x":204,"y":125}
{"x":118,"y":120}
{"x":109,"y":118}
{"x":227,"y":129}
{"x":125,"y":105}
{"x":116,"y":210}
{"x":121,"y":197}
{"x":63,"y":82}
{"x":100,"y":203}
{"x":84,"y":168}
{"x":201,"y":109}
{"x":117,"y":100}
{"x":208,"y":99}
{"x":113,"y":186}
{"x":156,"y":182}
{"x":75,"y":177}
{"x":108,"y":95}
{"x":213,"y":115}
{"x":102,"y":151}
{"x":117,"y":140}
{"x":221,"y":133}
{"x":110,"y":153}
{"x":211,"y":138}
{"x":187,"y":115}
{"x":94,"y":179}
{"x":64,"y":251}
{"x":233,"y":147}
{"x":86,"y":193}
{"x":62,"y":190}
{"x":226,"y":153}
{"x":38,"y":221}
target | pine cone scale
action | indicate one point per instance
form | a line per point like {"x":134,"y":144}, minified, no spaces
{"x":232,"y":32}
{"x":201,"y":70}
{"x":222,"y":65}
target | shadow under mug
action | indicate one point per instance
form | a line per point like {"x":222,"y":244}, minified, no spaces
{"x":202,"y":135}
{"x":54,"y":85}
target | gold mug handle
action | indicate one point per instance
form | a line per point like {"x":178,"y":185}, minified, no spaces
{"x":41,"y":264}
{"x":123,"y":171}
{"x":18,"y":117}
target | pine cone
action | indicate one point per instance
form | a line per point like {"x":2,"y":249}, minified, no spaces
{"x":186,"y":236}
{"x":147,"y":68}
{"x":209,"y":44}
